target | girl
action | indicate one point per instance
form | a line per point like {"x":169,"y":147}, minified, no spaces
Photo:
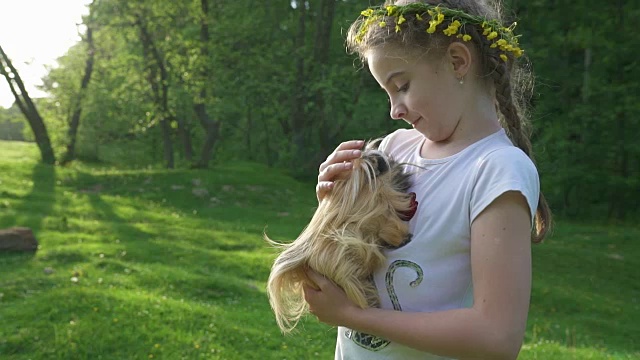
{"x":461,"y":287}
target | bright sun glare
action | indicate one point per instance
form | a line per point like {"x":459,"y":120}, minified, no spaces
{"x":34,"y":33}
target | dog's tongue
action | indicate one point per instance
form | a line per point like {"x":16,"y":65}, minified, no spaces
{"x":408,"y":215}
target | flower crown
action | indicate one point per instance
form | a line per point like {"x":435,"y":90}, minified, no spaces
{"x":499,"y":36}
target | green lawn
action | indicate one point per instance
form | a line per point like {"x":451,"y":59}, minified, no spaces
{"x":144,"y":263}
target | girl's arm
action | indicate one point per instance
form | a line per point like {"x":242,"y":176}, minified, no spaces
{"x":492,"y":329}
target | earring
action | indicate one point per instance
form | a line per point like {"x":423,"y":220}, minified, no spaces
{"x":461,"y":80}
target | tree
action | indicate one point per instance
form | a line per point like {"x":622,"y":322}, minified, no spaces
{"x":74,"y":122}
{"x":28,"y":108}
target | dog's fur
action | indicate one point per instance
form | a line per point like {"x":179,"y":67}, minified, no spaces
{"x":345,"y":237}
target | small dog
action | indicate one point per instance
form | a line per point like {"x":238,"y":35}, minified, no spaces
{"x":367,"y":210}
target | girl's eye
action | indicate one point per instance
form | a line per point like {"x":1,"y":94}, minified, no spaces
{"x":404,"y":88}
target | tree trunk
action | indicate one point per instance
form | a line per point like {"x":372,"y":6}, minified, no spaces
{"x":184,"y":132}
{"x":249,"y":131}
{"x":618,"y":199}
{"x":329,"y":134}
{"x":28,"y":108}
{"x":298,"y":97}
{"x":159,"y":88}
{"x":210,"y":126}
{"x":74,"y":124}
{"x":322,"y":51}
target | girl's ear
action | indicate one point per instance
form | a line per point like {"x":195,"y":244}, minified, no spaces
{"x":459,"y":57}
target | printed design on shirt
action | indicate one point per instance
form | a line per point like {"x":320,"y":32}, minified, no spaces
{"x":374,"y":343}
{"x":389,"y":279}
{"x":367,"y":341}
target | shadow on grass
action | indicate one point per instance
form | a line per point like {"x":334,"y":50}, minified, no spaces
{"x":30,"y":212}
{"x":38,"y":203}
{"x":150,"y":254}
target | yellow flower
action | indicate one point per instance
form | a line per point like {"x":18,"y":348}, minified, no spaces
{"x":397,"y":28}
{"x":440,"y":18}
{"x":401,"y":19}
{"x":451,"y":30}
{"x":431,"y":12}
{"x":367,"y":12}
{"x":432,"y":28}
{"x":466,"y":37}
{"x":486,"y":31}
{"x":418,"y":17}
{"x":494,"y":45}
{"x":503,"y":57}
{"x":382,"y":24}
{"x":492,"y":36}
{"x":390,"y":10}
{"x":459,"y":36}
{"x":501,"y":42}
{"x":518,"y":52}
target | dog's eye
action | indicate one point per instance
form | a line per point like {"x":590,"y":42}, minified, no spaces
{"x":381,"y":164}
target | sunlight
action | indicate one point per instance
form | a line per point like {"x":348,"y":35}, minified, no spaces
{"x":34,"y":33}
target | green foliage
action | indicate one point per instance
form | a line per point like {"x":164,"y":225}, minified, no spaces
{"x":136,"y":264}
{"x":585,"y":112}
{"x":287,"y":101}
{"x":11,"y":124}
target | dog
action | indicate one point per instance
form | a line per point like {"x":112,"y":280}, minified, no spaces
{"x":366,"y":211}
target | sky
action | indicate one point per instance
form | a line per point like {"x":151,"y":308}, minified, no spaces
{"x":34,"y":33}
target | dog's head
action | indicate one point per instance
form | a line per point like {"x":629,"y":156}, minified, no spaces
{"x":373,"y":198}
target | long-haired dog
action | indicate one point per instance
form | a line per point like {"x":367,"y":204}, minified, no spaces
{"x":366,"y":211}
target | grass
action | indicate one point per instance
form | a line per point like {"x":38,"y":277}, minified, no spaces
{"x":144,"y":263}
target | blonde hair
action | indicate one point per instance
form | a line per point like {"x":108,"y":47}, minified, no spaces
{"x":345,"y":237}
{"x":513,"y":83}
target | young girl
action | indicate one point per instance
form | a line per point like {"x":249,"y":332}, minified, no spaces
{"x":460,"y":288}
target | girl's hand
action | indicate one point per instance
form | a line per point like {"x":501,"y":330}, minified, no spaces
{"x":337,"y":162}
{"x":328,"y":302}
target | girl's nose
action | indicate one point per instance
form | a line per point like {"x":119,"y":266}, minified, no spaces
{"x":398,"y":111}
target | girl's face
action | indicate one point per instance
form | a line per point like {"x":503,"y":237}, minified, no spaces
{"x":424,"y":93}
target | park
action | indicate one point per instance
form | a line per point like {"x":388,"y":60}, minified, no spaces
{"x":175,"y":134}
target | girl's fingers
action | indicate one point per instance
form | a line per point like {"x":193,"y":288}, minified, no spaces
{"x":350,"y":145}
{"x":323,"y":188}
{"x":346,"y":151}
{"x":325,"y":183}
{"x":320,"y":280}
{"x":340,"y":156}
{"x":337,"y":162}
{"x":330,"y":172}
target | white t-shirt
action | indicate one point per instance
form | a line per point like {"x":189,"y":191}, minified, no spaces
{"x":433,"y":271}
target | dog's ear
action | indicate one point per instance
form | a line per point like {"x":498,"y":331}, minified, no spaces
{"x":373,"y":144}
{"x":401,"y":180}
